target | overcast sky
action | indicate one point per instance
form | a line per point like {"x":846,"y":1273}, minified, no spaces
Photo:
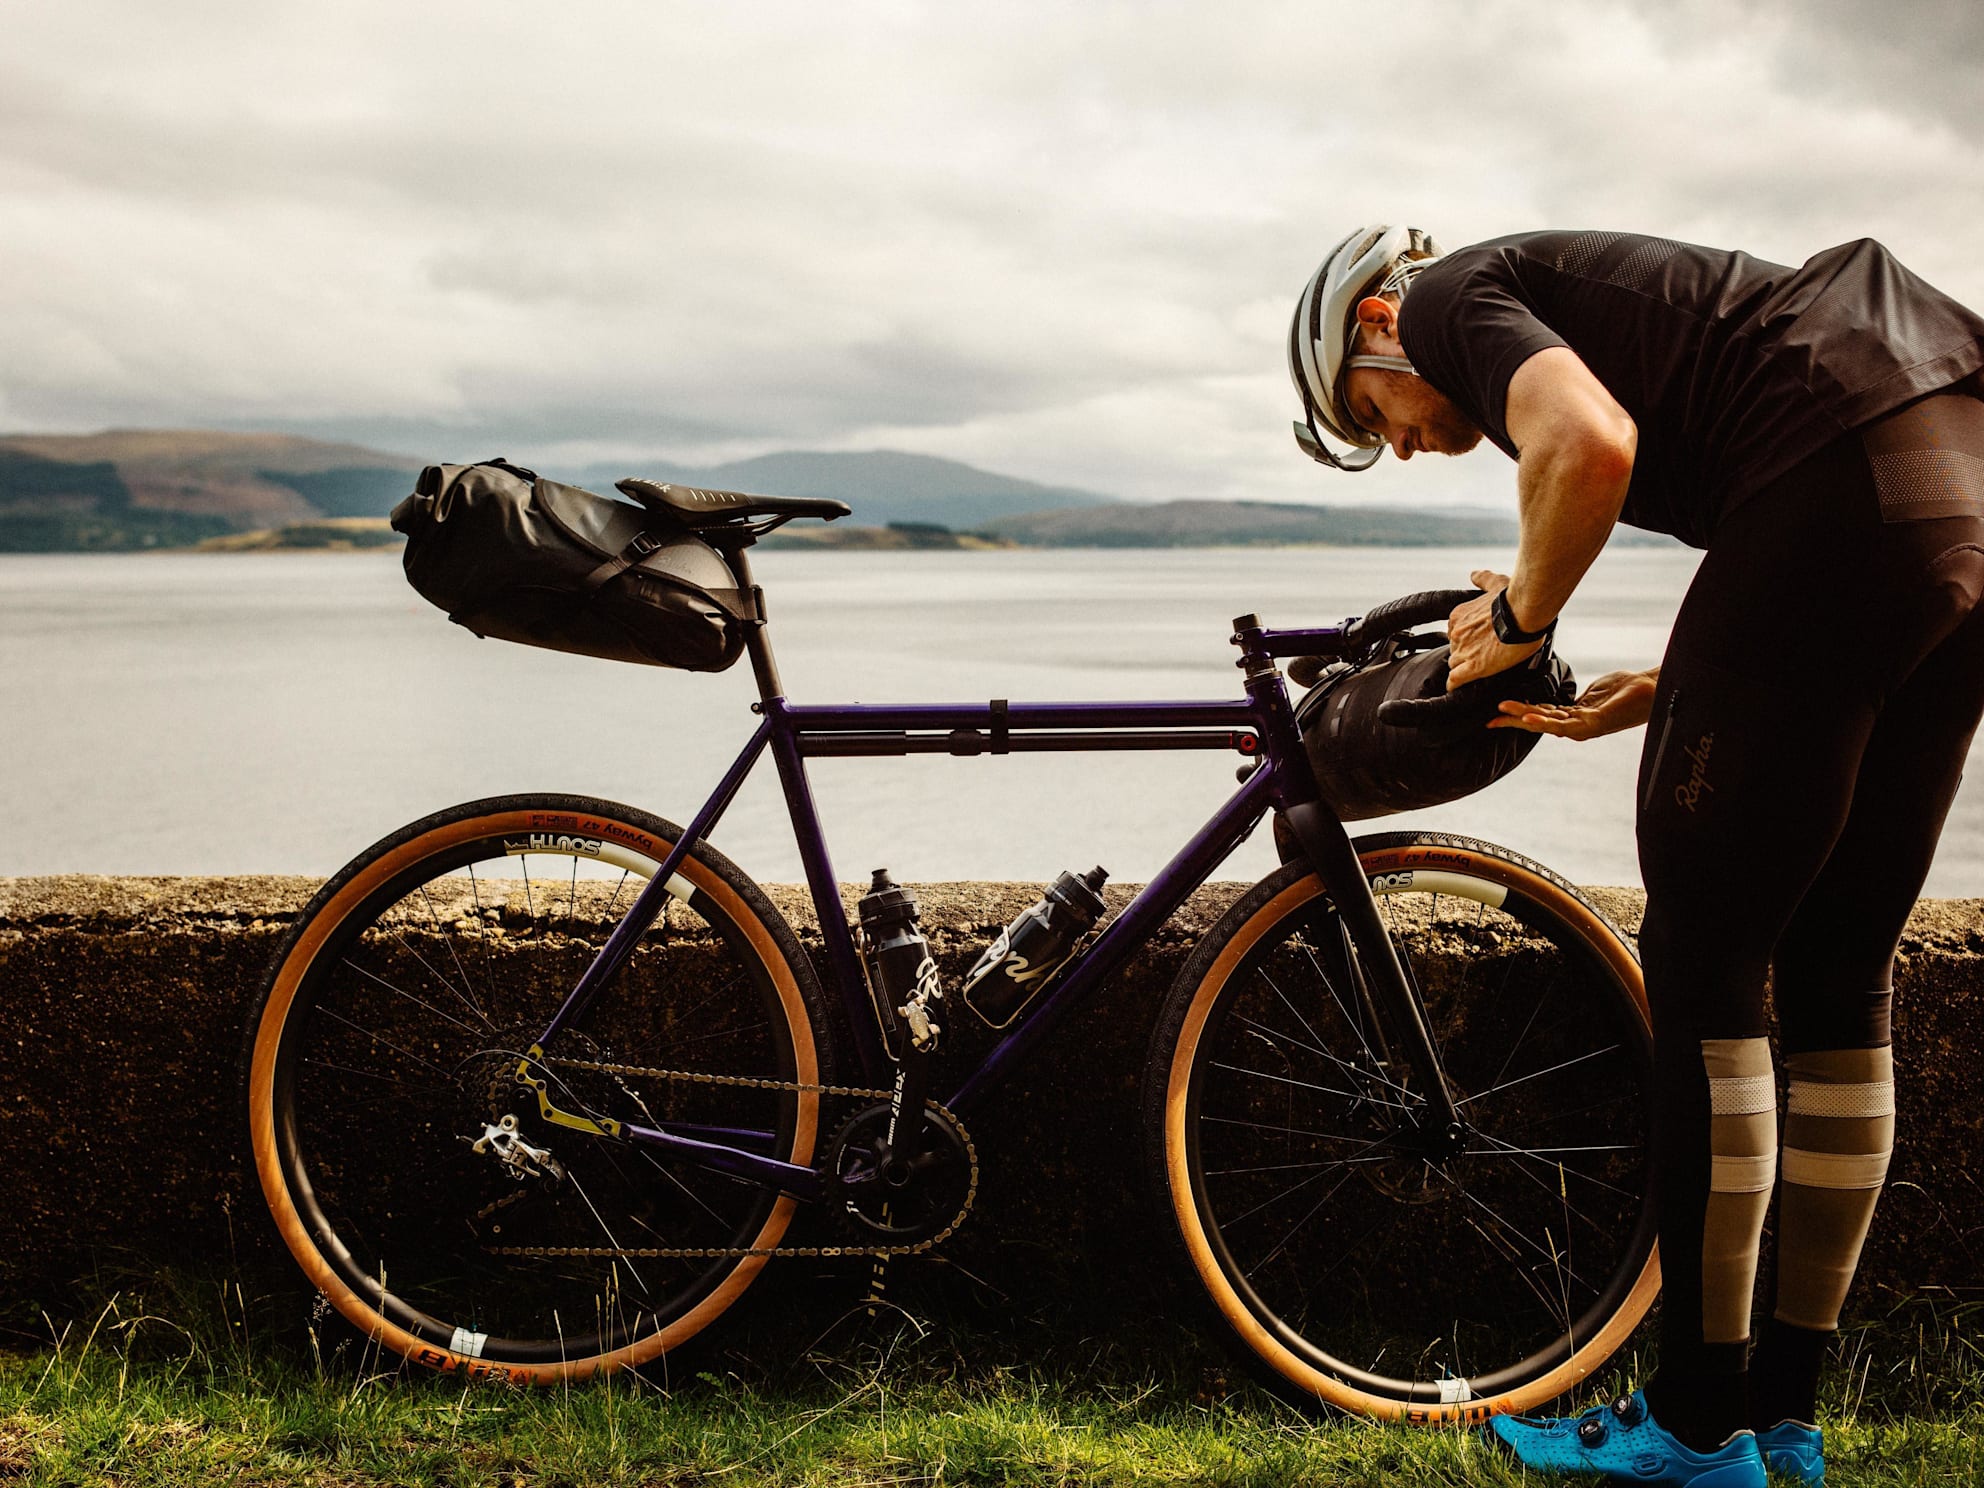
{"x":1056,"y":240}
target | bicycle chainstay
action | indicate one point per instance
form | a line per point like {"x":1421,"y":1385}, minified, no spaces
{"x":704,"y":1252}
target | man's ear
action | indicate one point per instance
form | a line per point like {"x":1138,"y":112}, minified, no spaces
{"x":1380,"y":318}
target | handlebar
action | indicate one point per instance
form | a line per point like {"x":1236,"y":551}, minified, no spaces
{"x":1396,"y":615}
{"x":1465,"y":707}
{"x":1393,"y":617}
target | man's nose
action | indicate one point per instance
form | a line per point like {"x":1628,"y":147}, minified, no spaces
{"x":1401,"y":445}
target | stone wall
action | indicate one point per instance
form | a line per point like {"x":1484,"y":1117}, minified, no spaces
{"x":122,"y":1002}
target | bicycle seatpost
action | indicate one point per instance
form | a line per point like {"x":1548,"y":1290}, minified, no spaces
{"x":757,"y":639}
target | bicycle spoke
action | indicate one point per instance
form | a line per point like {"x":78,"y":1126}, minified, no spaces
{"x":1355,"y":1025}
{"x":1528,"y":1024}
{"x":661,"y":1168}
{"x":604,"y":1228}
{"x":1508,"y":1228}
{"x":1387,"y":1219}
{"x":1293,"y":1229}
{"x":374,"y":1035}
{"x":1319,"y":1162}
{"x":1504,"y":1149}
{"x":345,"y":1069}
{"x":419,"y":1002}
{"x":1558,"y":1118}
{"x":1310,"y":1085}
{"x":1345,"y":1065}
{"x":481,"y":926}
{"x":468,"y":985}
{"x":1300,"y":1131}
{"x":1536,"y":1075}
{"x":1560,"y":1172}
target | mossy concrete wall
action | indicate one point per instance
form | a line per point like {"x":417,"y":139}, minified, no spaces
{"x":122,"y":1003}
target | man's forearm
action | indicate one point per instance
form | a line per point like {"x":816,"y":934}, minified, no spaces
{"x":1569,"y":499}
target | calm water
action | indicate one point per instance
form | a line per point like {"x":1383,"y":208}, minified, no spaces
{"x":194,"y":713}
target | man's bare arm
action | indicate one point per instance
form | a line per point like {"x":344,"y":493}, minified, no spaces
{"x":1576,"y":447}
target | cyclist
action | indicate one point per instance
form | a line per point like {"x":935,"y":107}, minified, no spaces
{"x":1820,"y":432}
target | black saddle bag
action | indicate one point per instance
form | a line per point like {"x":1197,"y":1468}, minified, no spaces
{"x":511,"y":555}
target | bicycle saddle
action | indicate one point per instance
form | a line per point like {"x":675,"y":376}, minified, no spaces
{"x":693,"y":506}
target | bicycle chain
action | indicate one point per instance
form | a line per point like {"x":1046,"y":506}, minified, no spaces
{"x":698,"y":1253}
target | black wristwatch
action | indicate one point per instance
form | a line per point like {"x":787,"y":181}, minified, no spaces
{"x":1507,"y":631}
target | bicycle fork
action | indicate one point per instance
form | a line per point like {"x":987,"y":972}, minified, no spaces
{"x":1442,"y":1133}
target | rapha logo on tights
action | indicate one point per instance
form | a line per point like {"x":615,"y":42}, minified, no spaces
{"x":1687,"y":795}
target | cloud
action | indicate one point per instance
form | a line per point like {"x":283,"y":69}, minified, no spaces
{"x":1056,"y":240}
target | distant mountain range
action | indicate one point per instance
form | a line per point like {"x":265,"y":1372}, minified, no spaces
{"x":1194,"y":524}
{"x":173,"y":488}
{"x":143,"y":488}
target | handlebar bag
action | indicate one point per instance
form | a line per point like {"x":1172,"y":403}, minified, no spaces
{"x":1367,"y":766}
{"x":511,"y":555}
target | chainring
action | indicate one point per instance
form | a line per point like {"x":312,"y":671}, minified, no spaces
{"x":918,"y":1200}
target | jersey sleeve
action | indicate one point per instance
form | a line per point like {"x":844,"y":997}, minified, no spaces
{"x":1466,"y":324}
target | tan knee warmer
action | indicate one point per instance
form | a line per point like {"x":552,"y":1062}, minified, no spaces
{"x":1742,"y":1133}
{"x":1838,"y":1136}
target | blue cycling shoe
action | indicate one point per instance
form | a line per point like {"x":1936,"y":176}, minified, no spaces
{"x":1622,"y":1441}
{"x":1796,"y":1450}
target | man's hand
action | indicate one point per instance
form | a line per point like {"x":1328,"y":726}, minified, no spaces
{"x":1615,"y":702}
{"x":1473,"y":651}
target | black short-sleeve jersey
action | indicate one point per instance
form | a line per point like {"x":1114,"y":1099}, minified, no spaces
{"x":1734,"y":369}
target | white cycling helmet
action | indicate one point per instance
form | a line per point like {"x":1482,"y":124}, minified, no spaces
{"x":1370,"y":261}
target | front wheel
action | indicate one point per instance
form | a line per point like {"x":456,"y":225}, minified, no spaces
{"x":1355,"y":1263}
{"x":423,"y":1187}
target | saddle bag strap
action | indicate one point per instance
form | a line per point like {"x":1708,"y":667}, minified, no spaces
{"x":643,"y":543}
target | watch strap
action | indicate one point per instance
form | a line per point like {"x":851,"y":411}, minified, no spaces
{"x":1506,"y":630}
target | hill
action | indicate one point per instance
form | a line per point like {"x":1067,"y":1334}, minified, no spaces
{"x":1191,"y":524}
{"x":882,"y":486}
{"x":332,"y":534}
{"x":133,"y":488}
{"x":174,"y":488}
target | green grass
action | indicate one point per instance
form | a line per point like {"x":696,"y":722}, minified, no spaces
{"x":205,"y":1390}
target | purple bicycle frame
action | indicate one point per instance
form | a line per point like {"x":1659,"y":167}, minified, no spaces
{"x":1259,"y":727}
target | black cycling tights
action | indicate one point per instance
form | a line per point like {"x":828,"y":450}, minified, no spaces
{"x":1814,"y":708}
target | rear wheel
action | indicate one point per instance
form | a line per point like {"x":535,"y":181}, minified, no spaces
{"x":417,"y":1181}
{"x":1352,"y":1265}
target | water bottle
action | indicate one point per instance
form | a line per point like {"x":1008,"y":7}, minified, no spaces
{"x":902,"y":976}
{"x":1027,"y":953}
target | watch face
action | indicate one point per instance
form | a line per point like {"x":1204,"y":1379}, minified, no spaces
{"x":1506,"y":629}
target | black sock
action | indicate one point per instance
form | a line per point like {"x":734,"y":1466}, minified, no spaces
{"x":1707,"y":1403}
{"x":1786,"y":1375}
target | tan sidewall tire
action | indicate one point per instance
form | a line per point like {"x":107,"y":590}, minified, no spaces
{"x":261,"y":1110}
{"x":1298,"y":1372}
